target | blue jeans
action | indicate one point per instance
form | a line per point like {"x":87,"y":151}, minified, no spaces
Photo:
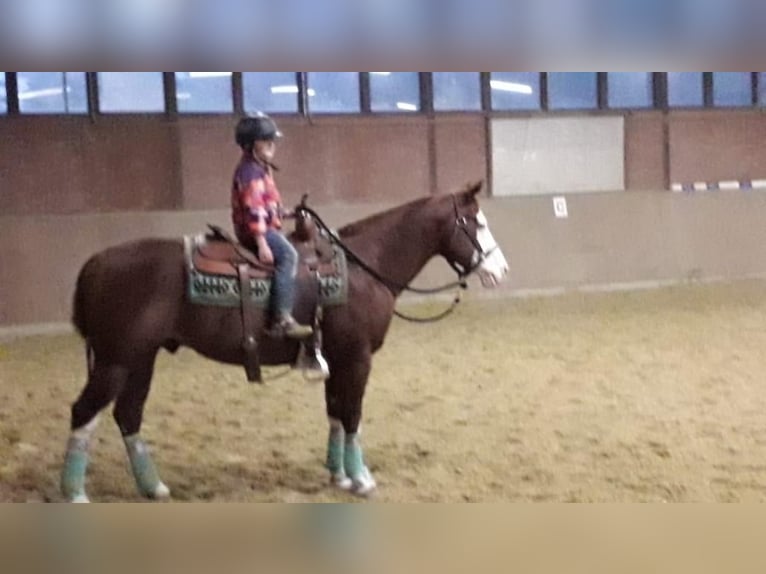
{"x":286,"y":267}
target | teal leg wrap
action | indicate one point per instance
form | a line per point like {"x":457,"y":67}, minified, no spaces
{"x":353,"y":459}
{"x":335,"y":450}
{"x":144,"y":471}
{"x":73,"y":473}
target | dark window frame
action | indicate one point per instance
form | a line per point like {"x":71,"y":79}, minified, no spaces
{"x":12,"y":94}
{"x":660,"y":100}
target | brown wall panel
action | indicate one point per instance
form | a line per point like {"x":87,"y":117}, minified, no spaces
{"x":361,"y":160}
{"x":208,"y":155}
{"x":461,"y":151}
{"x":42,"y":166}
{"x":70,"y":165}
{"x":644,"y":151}
{"x":332,"y":159}
{"x":717,"y":146}
{"x":133,"y":164}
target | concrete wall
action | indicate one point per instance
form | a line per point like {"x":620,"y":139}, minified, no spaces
{"x":70,"y":187}
{"x":631,"y":238}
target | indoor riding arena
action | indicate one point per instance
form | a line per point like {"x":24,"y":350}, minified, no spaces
{"x":621,"y":358}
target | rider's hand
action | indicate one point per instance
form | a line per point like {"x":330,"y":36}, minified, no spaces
{"x":264,"y":252}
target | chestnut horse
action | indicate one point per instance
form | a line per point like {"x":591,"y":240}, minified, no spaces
{"x":130,"y":302}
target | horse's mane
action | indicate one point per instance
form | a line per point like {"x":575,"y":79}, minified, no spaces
{"x":356,"y":227}
{"x":362,"y":225}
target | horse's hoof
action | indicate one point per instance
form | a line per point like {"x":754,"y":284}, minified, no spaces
{"x":80,"y":499}
{"x":162,"y":492}
{"x":341,"y":481}
{"x":364,"y":485}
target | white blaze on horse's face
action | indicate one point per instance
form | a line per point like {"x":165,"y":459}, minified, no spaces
{"x":494,"y":266}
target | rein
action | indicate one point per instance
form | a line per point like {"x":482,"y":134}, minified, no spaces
{"x":460,"y":284}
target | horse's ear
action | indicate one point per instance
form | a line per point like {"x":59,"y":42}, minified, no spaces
{"x":471,"y":190}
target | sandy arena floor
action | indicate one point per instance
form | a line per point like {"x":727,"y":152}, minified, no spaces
{"x":646,"y":396}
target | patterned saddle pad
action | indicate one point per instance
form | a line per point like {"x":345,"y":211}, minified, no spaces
{"x":212,"y":277}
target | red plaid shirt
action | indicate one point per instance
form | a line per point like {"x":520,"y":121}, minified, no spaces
{"x":255,"y":201}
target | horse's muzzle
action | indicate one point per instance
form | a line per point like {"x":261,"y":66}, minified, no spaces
{"x":490,"y":280}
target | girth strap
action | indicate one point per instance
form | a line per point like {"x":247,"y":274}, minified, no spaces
{"x":249,"y":342}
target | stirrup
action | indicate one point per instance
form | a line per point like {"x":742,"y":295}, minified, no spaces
{"x":311,"y":362}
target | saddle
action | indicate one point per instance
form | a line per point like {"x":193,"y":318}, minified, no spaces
{"x":220,"y":254}
{"x":222,"y":272}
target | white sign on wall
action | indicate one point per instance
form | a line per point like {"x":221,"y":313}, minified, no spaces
{"x":560,"y":209}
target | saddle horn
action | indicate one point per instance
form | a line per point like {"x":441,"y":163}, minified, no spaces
{"x":305,"y":228}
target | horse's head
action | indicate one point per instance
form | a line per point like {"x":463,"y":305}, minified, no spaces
{"x":469,"y":245}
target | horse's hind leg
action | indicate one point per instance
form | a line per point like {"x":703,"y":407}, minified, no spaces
{"x":129,"y":412}
{"x":105,"y":381}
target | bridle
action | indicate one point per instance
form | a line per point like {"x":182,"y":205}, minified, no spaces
{"x":480,"y":255}
{"x":461,"y":225}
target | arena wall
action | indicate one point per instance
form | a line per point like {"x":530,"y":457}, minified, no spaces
{"x":70,"y":186}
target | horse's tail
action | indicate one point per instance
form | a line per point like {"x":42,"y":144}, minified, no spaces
{"x":78,"y":305}
{"x":78,"y":318}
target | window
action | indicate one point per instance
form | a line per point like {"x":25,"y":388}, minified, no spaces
{"x":732,"y":89}
{"x":270,"y":91}
{"x":685,"y":89}
{"x":131,"y":92}
{"x":630,"y":89}
{"x":333,"y":92}
{"x":52,"y":92}
{"x":3,"y":95}
{"x":572,"y":90}
{"x":762,"y":88}
{"x":394,"y":91}
{"x":515,"y":90}
{"x":455,"y":91}
{"x":204,"y":92}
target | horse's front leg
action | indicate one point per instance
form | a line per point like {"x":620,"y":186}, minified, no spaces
{"x":344,"y":392}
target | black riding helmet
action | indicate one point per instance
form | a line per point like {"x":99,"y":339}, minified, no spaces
{"x":255,"y":127}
